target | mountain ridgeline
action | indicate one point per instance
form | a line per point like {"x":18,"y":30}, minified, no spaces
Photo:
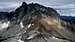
{"x":26,"y":10}
{"x":46,"y":18}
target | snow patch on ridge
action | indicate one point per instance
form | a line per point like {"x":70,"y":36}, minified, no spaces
{"x":4,"y":25}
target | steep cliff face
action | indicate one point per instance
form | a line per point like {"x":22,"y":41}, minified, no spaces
{"x":25,"y":21}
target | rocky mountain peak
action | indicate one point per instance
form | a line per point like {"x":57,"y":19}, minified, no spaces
{"x":24,"y":15}
{"x":24,"y":4}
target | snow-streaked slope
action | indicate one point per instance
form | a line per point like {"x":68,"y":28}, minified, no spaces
{"x":4,"y":25}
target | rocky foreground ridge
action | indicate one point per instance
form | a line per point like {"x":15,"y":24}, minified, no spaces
{"x":22,"y":25}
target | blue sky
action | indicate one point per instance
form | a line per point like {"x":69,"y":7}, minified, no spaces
{"x":8,"y":5}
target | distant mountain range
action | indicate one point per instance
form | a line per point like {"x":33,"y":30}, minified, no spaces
{"x":68,"y":18}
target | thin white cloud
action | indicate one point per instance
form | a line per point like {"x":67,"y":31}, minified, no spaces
{"x":8,"y":6}
{"x":65,"y":6}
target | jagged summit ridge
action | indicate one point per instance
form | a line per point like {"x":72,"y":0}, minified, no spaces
{"x":26,"y":10}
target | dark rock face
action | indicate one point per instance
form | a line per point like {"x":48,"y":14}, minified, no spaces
{"x":25,"y":15}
